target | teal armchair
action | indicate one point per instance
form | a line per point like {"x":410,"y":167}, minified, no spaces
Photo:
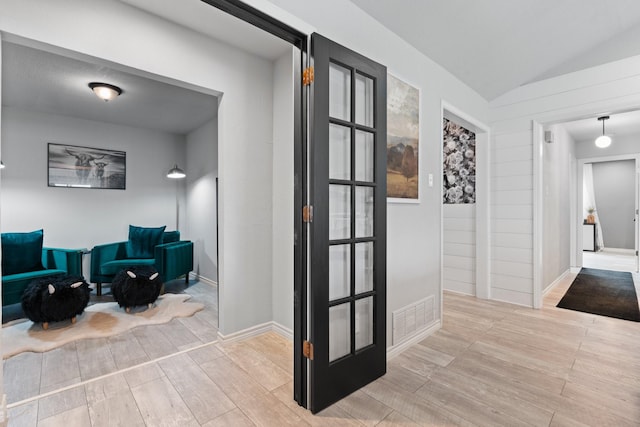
{"x":172,"y":258}
{"x":54,"y":261}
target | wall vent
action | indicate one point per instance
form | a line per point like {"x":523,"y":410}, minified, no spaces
{"x":411,"y":319}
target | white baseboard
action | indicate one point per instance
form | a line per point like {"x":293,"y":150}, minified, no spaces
{"x":282,"y":331}
{"x":257,"y":330}
{"x":395,"y":350}
{"x":205,"y":280}
{"x":555,"y":282}
{"x":575,"y":270}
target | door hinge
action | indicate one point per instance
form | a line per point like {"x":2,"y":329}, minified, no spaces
{"x":307,"y":350}
{"x":307,"y":213}
{"x":307,"y":76}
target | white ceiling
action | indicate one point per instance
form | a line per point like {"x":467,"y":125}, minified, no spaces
{"x":497,"y":45}
{"x":621,"y":124}
{"x":41,"y":81}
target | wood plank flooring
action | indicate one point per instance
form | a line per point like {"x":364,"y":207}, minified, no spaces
{"x":492,"y":364}
{"x":30,"y":374}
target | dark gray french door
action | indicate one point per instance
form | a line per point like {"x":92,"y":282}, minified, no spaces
{"x":347,"y":234}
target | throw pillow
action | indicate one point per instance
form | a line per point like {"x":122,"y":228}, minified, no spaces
{"x":21,"y":252}
{"x":143,"y":240}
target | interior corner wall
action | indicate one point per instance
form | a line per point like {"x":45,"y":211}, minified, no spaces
{"x":557,"y":197}
{"x":145,"y":42}
{"x":201,"y":168}
{"x":283,"y":190}
{"x":609,"y":87}
{"x":614,"y":188}
{"x":413,"y":230}
{"x":78,"y":217}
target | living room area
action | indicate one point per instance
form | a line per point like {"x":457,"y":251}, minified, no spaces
{"x":151,"y":128}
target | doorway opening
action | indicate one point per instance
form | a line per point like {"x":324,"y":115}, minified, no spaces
{"x":464,"y":204}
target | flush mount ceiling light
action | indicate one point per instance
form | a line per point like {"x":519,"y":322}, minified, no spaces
{"x":105,"y":91}
{"x":603,"y":141}
{"x":176,"y":173}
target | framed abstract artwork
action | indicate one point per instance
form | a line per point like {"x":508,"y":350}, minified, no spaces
{"x":403,"y":141}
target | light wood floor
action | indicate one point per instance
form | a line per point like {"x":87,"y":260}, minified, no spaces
{"x":492,"y":364}
{"x":30,"y":374}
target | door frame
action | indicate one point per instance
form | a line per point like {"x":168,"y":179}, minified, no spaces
{"x":483,"y":219}
{"x":538,"y":123}
{"x":301,"y":40}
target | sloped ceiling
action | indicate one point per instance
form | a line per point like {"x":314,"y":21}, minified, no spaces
{"x":497,"y":45}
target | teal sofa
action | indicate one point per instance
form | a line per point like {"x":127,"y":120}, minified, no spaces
{"x":24,"y":259}
{"x":161,"y":249}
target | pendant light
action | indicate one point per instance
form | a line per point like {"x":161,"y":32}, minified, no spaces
{"x":176,"y":173}
{"x":603,"y":141}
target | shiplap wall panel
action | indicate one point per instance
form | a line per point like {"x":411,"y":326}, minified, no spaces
{"x":515,"y":269}
{"x":512,"y":254}
{"x":513,"y":212}
{"x":459,"y":247}
{"x":461,"y":262}
{"x":459,"y":287}
{"x":515,"y":182}
{"x":512,"y":240}
{"x":512,"y":168}
{"x":511,"y":277}
{"x":467,"y":276}
{"x":520,"y":226}
{"x":512,"y":154}
{"x":512,"y":197}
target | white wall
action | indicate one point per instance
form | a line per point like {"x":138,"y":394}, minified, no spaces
{"x":614,"y":188}
{"x":200,"y":225}
{"x":82,"y":218}
{"x":611,"y":87}
{"x":413,"y":231}
{"x":141,"y":41}
{"x":283,"y":189}
{"x":557,"y":198}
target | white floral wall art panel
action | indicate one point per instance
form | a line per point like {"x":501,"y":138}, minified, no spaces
{"x":459,"y":157}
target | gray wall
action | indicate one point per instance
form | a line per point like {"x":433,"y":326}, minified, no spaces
{"x":613,"y":184}
{"x":202,"y":170}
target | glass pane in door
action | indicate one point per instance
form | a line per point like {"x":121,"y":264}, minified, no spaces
{"x":339,"y":331}
{"x":364,"y":211}
{"x":339,"y":271}
{"x":364,"y":156}
{"x":339,"y":92}
{"x":364,"y":100}
{"x":339,"y":212}
{"x":364,"y":267}
{"x":364,"y":322}
{"x":339,"y":152}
